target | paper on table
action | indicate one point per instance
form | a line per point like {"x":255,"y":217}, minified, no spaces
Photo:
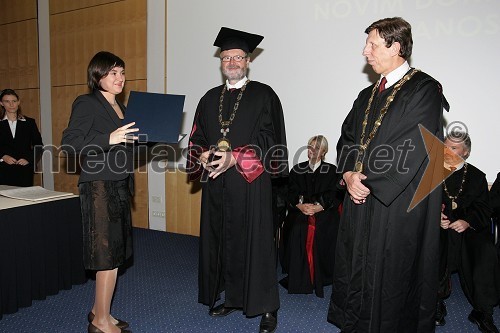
{"x":33,"y":193}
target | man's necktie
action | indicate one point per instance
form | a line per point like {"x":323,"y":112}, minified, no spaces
{"x":452,"y":169}
{"x":381,"y":87}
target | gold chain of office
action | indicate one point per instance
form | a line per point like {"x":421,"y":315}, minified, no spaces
{"x":364,"y":145}
{"x":454,"y":204}
{"x":224,"y":144}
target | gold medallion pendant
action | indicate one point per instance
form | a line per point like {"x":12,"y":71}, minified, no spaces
{"x":358,"y":167}
{"x":454,"y":204}
{"x":223,"y":144}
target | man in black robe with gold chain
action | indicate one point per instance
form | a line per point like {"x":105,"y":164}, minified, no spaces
{"x":386,"y":262}
{"x":466,"y":240}
{"x":238,"y":140}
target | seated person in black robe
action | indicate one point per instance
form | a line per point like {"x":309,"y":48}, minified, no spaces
{"x":466,"y":242}
{"x":311,"y":226}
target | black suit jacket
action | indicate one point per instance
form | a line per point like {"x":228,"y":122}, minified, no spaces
{"x":23,"y":145}
{"x":27,"y":144}
{"x":92,"y":121}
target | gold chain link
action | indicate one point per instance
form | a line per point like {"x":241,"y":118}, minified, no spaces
{"x":226,"y":123}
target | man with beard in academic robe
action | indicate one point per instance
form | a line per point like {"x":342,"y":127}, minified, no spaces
{"x":386,"y":262}
{"x":466,"y":240}
{"x":238,"y":139}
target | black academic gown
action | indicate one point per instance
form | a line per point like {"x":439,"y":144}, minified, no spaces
{"x":237,"y":249}
{"x":495,"y":197}
{"x":386,"y":261}
{"x":319,"y":186}
{"x":471,"y":253}
{"x":26,"y":144}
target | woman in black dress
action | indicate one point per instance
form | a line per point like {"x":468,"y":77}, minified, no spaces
{"x":311,"y":226}
{"x":95,"y":132}
{"x":20,"y":142}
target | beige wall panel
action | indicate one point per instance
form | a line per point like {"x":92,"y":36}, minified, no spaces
{"x":140,"y":208}
{"x":58,"y":6}
{"x":30,"y":103}
{"x":182,"y":204}
{"x":37,"y":179}
{"x":136,"y":85}
{"x":140,"y":203}
{"x":118,"y":27}
{"x":18,"y":10}
{"x":62,"y":99}
{"x":64,"y":181}
{"x":78,"y":30}
{"x":19,"y":56}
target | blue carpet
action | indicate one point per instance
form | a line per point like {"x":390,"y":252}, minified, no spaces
{"x":158,"y":293}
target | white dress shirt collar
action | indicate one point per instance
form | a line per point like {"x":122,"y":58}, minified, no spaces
{"x":21,"y":118}
{"x":396,"y":74}
{"x":12,"y":125}
{"x":458,"y":167}
{"x":237,"y":85}
{"x":315,"y":166}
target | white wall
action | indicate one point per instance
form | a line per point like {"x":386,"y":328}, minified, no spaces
{"x":156,"y":39}
{"x":312,"y":58}
{"x":45,"y":90}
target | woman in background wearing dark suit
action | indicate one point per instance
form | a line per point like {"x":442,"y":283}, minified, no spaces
{"x":20,"y":142}
{"x":95,"y":132}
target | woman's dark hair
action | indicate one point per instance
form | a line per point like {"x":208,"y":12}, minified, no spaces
{"x":9,"y":92}
{"x":100,"y":65}
{"x":394,"y":29}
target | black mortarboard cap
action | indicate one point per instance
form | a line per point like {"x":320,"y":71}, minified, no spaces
{"x":228,"y":39}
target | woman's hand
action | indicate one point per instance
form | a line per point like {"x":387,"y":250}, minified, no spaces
{"x":120,"y":135}
{"x":309,"y":208}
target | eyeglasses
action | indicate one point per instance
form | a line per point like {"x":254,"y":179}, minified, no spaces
{"x":236,"y":58}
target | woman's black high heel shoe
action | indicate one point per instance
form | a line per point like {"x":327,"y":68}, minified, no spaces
{"x":121,"y":324}
{"x":93,"y":329}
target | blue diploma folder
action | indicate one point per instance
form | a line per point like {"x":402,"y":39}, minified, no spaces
{"x":157,"y":116}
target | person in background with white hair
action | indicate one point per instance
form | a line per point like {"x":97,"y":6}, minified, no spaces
{"x":466,"y":242}
{"x":311,"y":226}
